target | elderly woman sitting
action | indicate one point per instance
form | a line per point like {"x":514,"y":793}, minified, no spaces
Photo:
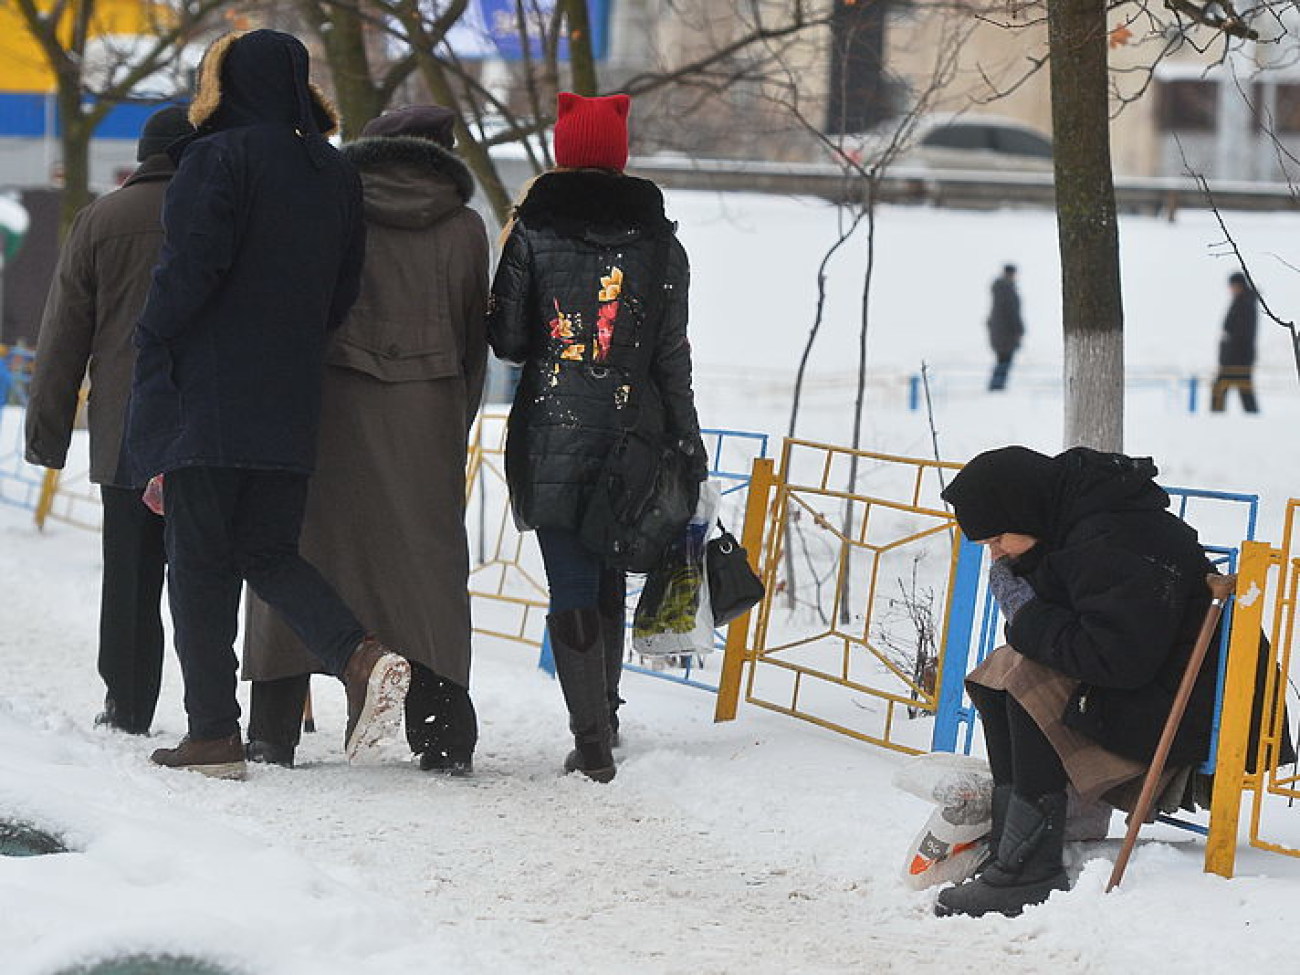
{"x":1103,"y":591}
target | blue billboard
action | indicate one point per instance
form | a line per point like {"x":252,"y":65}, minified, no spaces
{"x":490,"y":29}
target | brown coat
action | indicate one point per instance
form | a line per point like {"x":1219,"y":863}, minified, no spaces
{"x":1094,"y":772}
{"x":98,"y":291}
{"x":385,"y":513}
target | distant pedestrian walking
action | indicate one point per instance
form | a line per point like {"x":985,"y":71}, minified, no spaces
{"x":97,"y":293}
{"x":1237,"y":348}
{"x":1005,"y":326}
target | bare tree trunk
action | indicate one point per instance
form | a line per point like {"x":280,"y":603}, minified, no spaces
{"x":860,"y":398}
{"x":1093,"y":314}
{"x":342,"y":34}
{"x":74,"y":141}
{"x":582,"y":58}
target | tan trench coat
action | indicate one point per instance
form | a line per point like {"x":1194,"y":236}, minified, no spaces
{"x":385,"y":513}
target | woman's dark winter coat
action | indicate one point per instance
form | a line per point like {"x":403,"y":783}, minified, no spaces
{"x":590,"y":256}
{"x":403,"y":378}
{"x":1005,"y":326}
{"x":262,"y":254}
{"x":1237,"y":347}
{"x":1120,"y":595}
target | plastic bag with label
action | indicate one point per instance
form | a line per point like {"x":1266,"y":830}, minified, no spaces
{"x":673,"y":617}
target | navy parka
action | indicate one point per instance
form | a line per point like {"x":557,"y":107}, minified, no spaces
{"x":262,"y":256}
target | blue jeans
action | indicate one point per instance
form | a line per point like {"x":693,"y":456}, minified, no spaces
{"x":223,"y":526}
{"x":572,"y":572}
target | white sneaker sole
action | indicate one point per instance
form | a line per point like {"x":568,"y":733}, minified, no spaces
{"x":381,"y":715}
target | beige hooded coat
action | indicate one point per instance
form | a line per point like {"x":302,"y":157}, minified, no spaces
{"x":404,"y":375}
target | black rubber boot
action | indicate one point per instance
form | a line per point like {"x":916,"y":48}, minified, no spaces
{"x":1028,"y":866}
{"x":441,"y":724}
{"x":1001,"y":798}
{"x":613,"y":634}
{"x":275,"y":719}
{"x":579,"y":663}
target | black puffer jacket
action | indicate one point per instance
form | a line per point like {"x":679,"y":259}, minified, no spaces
{"x":1121,"y":594}
{"x":577,"y":279}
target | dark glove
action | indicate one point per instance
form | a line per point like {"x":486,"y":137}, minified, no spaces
{"x":697,"y":460}
{"x":1010,"y":591}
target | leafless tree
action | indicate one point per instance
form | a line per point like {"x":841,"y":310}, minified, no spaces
{"x":95,"y":70}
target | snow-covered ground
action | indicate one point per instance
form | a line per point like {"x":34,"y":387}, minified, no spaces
{"x":760,"y":846}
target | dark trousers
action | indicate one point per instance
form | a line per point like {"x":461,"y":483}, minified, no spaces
{"x":1001,"y":369}
{"x":225,"y":526}
{"x":275,"y":710}
{"x":572,"y":571}
{"x":1019,"y":753}
{"x":1229,"y":378}
{"x":130,"y":615}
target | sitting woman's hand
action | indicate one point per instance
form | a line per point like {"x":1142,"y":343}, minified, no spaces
{"x":1010,"y":591}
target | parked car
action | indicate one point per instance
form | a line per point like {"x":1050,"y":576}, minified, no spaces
{"x":974,"y":142}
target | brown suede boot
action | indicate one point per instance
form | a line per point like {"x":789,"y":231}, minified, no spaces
{"x":220,"y":758}
{"x":376,"y":680}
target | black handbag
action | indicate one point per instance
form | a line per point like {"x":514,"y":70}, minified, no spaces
{"x":639,"y":506}
{"x":734,"y":588}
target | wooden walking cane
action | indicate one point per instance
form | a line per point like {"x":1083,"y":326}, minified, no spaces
{"x":1221,"y":588}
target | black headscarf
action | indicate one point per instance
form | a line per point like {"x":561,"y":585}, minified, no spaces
{"x":1015,"y":489}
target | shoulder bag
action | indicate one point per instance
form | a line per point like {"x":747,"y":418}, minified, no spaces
{"x":645,"y":494}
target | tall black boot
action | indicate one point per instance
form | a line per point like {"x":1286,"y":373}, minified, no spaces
{"x":613,"y":632}
{"x":1028,"y":866}
{"x":275,"y":719}
{"x":579,"y":662}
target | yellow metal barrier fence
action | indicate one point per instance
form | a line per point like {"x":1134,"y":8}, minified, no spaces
{"x":1263,"y":569}
{"x":507,"y":582}
{"x":860,"y":639}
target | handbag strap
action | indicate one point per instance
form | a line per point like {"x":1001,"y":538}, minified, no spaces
{"x":639,"y":374}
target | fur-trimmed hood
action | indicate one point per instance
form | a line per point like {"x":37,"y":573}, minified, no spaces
{"x":408,"y":181}
{"x":266,"y":82}
{"x":594,"y":203}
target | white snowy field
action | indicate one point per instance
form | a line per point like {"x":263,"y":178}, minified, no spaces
{"x":760,"y":846}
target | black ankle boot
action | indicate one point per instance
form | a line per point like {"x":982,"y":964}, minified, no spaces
{"x":1001,"y":798}
{"x":441,"y":723}
{"x":1028,"y":866}
{"x":579,"y":663}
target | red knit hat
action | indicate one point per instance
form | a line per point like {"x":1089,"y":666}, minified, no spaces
{"x":591,"y":132}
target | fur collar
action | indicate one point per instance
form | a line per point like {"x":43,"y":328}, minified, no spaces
{"x":375,"y":153}
{"x":207,"y":97}
{"x":574,"y":202}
